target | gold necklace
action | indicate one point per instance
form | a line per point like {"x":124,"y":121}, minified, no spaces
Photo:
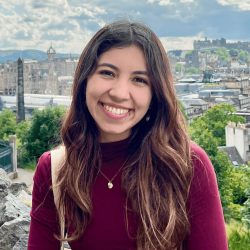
{"x":110,"y":181}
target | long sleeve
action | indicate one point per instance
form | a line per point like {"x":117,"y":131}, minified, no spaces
{"x":44,"y":223}
{"x":204,"y":207}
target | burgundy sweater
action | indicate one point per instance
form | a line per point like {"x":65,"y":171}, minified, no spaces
{"x":107,"y":229}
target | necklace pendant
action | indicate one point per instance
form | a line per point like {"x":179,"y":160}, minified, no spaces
{"x":110,"y":185}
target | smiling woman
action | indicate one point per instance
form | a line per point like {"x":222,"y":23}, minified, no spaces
{"x":128,"y":176}
{"x":118,"y":93}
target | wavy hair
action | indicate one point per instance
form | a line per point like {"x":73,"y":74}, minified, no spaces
{"x":157,"y":188}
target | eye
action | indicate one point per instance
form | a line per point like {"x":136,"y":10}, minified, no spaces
{"x":140,"y":80}
{"x":107,"y":73}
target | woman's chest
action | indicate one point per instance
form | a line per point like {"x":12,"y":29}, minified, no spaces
{"x":111,"y":227}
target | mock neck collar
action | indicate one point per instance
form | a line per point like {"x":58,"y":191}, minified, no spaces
{"x":113,"y":150}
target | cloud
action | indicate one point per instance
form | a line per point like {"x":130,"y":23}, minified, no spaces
{"x":180,"y":10}
{"x":183,"y":43}
{"x":187,"y":1}
{"x":240,"y":4}
{"x":170,"y":2}
{"x":34,"y":24}
{"x":164,"y":2}
{"x":69,"y":24}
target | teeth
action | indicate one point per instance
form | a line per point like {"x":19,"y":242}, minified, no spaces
{"x":116,"y":111}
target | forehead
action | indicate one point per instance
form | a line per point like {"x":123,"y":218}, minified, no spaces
{"x":132,"y":56}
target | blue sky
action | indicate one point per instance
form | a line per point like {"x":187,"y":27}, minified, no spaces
{"x":69,"y":24}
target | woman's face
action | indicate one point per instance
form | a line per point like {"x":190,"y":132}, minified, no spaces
{"x":118,"y":93}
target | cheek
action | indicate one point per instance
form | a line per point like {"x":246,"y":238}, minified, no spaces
{"x":94,"y":88}
{"x":90,"y":96}
{"x":91,"y":91}
{"x":144,"y":99}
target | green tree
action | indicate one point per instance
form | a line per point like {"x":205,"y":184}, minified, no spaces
{"x":223,"y":54}
{"x":22,"y":130}
{"x":244,"y":56}
{"x":202,"y":136}
{"x":178,"y":68}
{"x":205,"y":138}
{"x":43,"y":133}
{"x":207,"y":76}
{"x":7,"y":124}
{"x":239,"y":239}
{"x":189,"y":52}
{"x":192,"y":70}
{"x":209,"y":132}
{"x":223,"y":169}
{"x":233,"y":52}
{"x":240,"y":183}
{"x":246,"y":210}
{"x":216,"y":119}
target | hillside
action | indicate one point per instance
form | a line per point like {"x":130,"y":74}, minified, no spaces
{"x":13,"y":55}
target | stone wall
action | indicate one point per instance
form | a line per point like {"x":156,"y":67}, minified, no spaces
{"x":15,"y":205}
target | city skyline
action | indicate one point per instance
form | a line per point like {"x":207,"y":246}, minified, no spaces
{"x":69,"y":24}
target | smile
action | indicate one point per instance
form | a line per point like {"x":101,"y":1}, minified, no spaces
{"x":115,"y":111}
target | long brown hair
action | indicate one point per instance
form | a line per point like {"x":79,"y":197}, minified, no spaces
{"x":158,"y":173}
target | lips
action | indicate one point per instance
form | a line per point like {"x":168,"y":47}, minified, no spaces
{"x":114,"y":111}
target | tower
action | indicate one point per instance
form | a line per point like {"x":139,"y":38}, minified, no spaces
{"x":51,"y":53}
{"x":52,"y":85}
{"x":20,"y":91}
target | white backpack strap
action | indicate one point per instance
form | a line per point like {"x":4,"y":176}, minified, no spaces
{"x":57,"y":160}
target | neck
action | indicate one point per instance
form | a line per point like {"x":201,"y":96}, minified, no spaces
{"x":105,"y":138}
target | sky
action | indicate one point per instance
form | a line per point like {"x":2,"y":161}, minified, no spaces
{"x":69,"y":24}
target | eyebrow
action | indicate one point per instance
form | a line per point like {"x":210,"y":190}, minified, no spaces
{"x":139,"y":72}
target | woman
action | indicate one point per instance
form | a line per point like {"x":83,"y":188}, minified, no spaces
{"x":131,"y":178}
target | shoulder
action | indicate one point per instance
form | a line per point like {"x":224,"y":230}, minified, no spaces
{"x":207,"y":228}
{"x":43,"y":212}
{"x":200,"y":161}
{"x":43,"y":168}
{"x":199,"y":155}
{"x":204,"y":177}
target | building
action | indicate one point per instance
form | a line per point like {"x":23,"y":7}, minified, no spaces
{"x":186,"y":88}
{"x":193,"y":107}
{"x":192,"y":59}
{"x":239,"y":136}
{"x":244,"y":113}
{"x":243,"y":84}
{"x":213,"y":93}
{"x":217,"y":43}
{"x":241,"y":102}
{"x":233,"y":155}
{"x":53,"y":76}
{"x":8,"y":78}
{"x":34,"y":101}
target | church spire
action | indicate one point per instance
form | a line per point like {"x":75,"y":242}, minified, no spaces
{"x":51,"y":53}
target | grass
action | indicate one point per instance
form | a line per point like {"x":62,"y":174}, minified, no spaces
{"x":30,"y":165}
{"x":238,"y":236}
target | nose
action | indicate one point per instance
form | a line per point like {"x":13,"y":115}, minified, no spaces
{"x":120,"y":90}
